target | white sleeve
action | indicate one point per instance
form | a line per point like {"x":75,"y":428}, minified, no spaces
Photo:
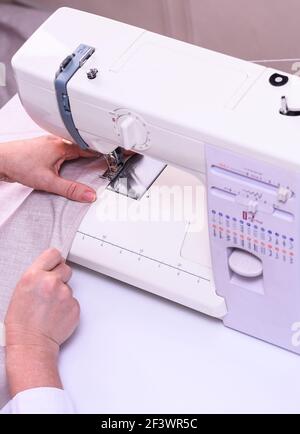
{"x":42,"y":400}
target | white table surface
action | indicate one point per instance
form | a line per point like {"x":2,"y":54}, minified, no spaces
{"x":134,"y":352}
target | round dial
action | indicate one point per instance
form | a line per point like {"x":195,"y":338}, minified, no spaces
{"x":133,"y":131}
{"x":245,"y":264}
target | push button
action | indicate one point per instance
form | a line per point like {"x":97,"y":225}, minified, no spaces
{"x":283,"y":194}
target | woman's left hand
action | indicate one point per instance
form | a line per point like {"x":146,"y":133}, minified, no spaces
{"x":36,"y":163}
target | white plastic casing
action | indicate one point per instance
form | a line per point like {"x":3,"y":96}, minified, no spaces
{"x":183,"y":95}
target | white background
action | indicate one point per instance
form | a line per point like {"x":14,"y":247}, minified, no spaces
{"x":135,"y":352}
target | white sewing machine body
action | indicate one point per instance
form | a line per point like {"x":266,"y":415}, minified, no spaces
{"x":216,"y":121}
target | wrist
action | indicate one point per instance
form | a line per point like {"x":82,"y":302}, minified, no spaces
{"x":19,"y":336}
{"x":31,"y":361}
{"x":29,"y":367}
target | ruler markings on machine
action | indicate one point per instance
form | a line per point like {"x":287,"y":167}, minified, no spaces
{"x":144,"y":256}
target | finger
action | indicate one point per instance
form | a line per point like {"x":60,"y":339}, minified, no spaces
{"x":88,"y":153}
{"x":72,"y":152}
{"x":63,"y":272}
{"x":67,"y":288}
{"x":48,"y":260}
{"x":65,"y":292}
{"x":71,"y":190}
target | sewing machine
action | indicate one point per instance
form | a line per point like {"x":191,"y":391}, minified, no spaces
{"x":206,"y":213}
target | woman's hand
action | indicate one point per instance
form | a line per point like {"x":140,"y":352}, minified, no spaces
{"x":36,"y":164}
{"x":42,"y":315}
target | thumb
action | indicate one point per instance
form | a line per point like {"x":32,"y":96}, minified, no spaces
{"x":72,"y":190}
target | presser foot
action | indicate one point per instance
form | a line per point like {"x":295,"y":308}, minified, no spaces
{"x":133,"y":176}
{"x":115,"y":162}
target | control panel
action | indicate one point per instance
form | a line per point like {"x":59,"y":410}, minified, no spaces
{"x":253,"y":213}
{"x":252,"y":209}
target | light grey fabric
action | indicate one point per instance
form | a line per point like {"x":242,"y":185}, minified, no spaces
{"x":17,"y":23}
{"x":42,"y":221}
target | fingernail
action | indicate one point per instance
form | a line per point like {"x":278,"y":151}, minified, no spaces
{"x":89,"y":196}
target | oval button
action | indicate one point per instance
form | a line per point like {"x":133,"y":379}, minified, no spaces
{"x":245,"y":264}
